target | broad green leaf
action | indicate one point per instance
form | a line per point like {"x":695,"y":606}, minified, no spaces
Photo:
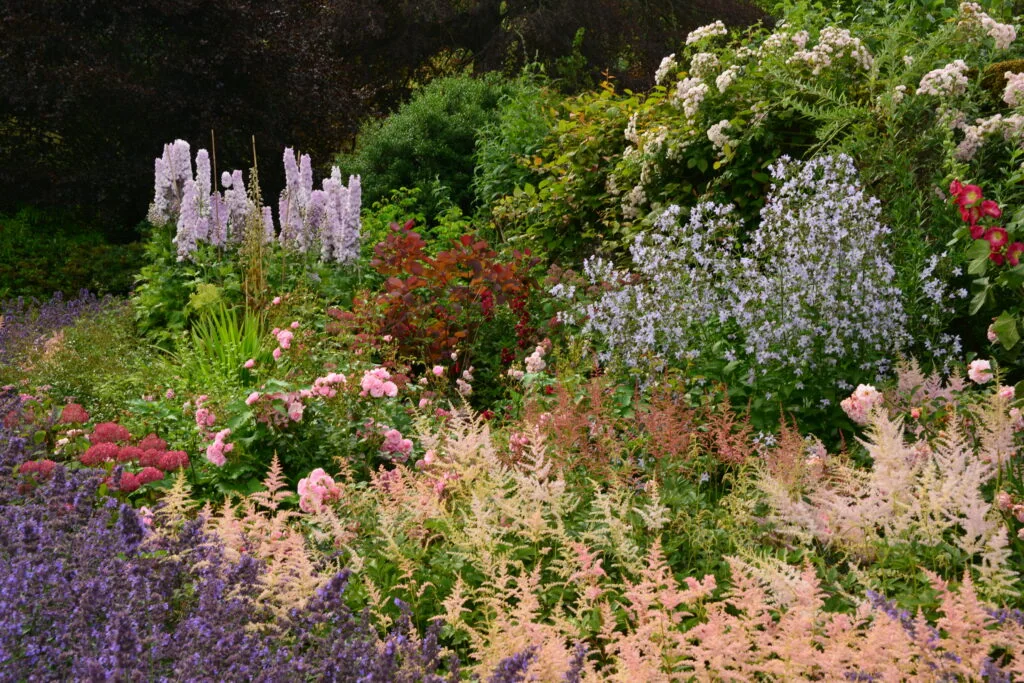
{"x":1005,"y":328}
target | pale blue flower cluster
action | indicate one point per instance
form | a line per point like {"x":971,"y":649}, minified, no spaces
{"x":809,"y":290}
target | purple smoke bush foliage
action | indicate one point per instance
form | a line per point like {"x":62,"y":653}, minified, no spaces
{"x":88,"y":592}
{"x":29,"y":322}
{"x":809,"y":289}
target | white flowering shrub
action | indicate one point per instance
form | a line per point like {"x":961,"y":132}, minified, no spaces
{"x":806,"y":298}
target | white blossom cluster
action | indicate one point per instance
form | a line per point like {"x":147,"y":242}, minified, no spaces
{"x":972,"y":15}
{"x":718,"y":136}
{"x":690,"y":93}
{"x":668,"y":64}
{"x":1010,"y":127}
{"x":950,"y":80}
{"x":810,"y":288}
{"x":703,"y":64}
{"x":833,"y":44}
{"x":823,"y":290}
{"x":727,"y":77}
{"x":714,"y":29}
{"x":1013,"y":94}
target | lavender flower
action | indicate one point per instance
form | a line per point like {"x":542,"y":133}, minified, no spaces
{"x":170,"y":171}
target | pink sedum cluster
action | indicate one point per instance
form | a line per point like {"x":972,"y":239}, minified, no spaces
{"x":316,"y":490}
{"x":858,"y":406}
{"x":217,"y":450}
{"x":377,"y":383}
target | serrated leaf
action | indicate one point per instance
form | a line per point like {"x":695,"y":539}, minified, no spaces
{"x":1005,"y":328}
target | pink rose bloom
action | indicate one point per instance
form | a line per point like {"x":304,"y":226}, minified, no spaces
{"x":424,"y":402}
{"x":316,"y":489}
{"x":252,"y":398}
{"x":858,"y":406}
{"x":295,"y":324}
{"x":277,"y":353}
{"x":438,"y":370}
{"x":991,"y":334}
{"x":295,"y":411}
{"x":276,"y":300}
{"x":979,"y":371}
{"x":169,"y":394}
{"x":390,"y":389}
{"x":250,"y":364}
{"x":1006,"y":393}
{"x":284,"y":338}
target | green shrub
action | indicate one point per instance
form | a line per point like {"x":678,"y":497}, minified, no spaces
{"x":429,"y":142}
{"x":42,"y":252}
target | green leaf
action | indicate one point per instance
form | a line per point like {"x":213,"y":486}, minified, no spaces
{"x":978,"y":266}
{"x":978,"y":301}
{"x":978,"y":249}
{"x":1005,"y":328}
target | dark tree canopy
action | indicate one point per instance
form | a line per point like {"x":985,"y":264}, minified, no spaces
{"x":90,"y":90}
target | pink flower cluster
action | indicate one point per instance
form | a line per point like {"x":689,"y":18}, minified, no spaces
{"x":284,"y":339}
{"x":395,"y":445}
{"x":316,"y":490}
{"x":109,"y":432}
{"x":858,"y":406}
{"x":41,"y":468}
{"x":73,"y":413}
{"x":377,"y":383}
{"x":217,"y":450}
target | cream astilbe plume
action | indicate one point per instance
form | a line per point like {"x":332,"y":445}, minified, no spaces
{"x":914,"y":492}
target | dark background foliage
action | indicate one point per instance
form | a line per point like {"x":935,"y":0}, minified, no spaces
{"x":90,"y":90}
